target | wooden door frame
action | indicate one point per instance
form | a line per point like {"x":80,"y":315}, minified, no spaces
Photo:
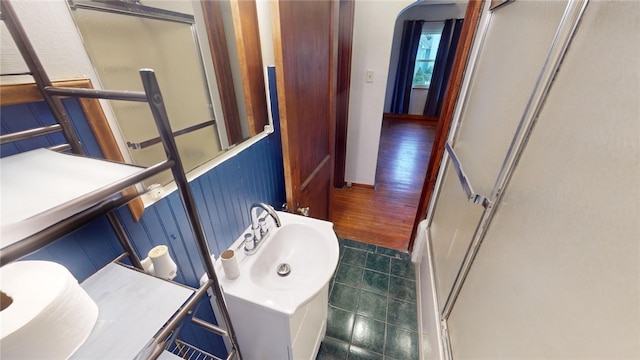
{"x":471,"y":20}
{"x":345,"y":41}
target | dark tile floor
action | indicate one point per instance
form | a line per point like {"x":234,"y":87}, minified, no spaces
{"x":372,"y":305}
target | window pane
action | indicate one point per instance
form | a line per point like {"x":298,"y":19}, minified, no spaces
{"x":425,"y":58}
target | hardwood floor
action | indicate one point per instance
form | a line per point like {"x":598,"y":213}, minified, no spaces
{"x":384,"y":215}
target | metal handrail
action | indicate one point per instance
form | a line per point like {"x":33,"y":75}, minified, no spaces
{"x":156,"y":140}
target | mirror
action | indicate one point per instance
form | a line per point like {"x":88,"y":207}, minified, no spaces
{"x":204,"y":90}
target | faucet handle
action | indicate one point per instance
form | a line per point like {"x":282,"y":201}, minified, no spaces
{"x":303,"y":211}
{"x":249,"y":243}
{"x":262,"y":224}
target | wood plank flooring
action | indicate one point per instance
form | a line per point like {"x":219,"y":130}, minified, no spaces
{"x":384,"y":215}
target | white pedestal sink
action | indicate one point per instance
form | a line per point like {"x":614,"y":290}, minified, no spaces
{"x":278,"y":316}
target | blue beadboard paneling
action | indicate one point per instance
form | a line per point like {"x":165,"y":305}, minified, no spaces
{"x":223,"y":197}
{"x":32,"y":115}
{"x":84,"y":251}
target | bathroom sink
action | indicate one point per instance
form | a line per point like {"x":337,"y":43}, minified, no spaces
{"x":292,"y":257}
{"x":293,"y":263}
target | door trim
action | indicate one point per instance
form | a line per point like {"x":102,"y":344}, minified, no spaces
{"x":345,"y":41}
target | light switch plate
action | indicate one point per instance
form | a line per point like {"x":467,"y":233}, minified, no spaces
{"x":369,"y":76}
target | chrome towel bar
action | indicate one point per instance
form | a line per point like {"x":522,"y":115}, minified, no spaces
{"x":464,"y":179}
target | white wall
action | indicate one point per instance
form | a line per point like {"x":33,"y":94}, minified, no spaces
{"x":376,"y":25}
{"x":50,"y":28}
{"x":54,"y":35}
{"x":372,"y":36}
{"x":558,"y":273}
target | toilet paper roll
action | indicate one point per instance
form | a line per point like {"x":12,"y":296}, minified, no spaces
{"x":45,"y":313}
{"x":230,"y":264}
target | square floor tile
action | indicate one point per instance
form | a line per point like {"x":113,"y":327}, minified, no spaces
{"x":375,"y":282}
{"x":378,"y":262}
{"x":372,"y":305}
{"x":368,"y":334}
{"x":402,"y":289}
{"x":344,"y":297}
{"x":403,"y":314}
{"x":401,"y":344}
{"x":403,"y":268}
{"x":356,"y":353}
{"x":349,"y":275}
{"x":332,"y":349}
{"x":354,"y":257}
{"x":340,"y":324}
{"x":358,"y":245}
{"x":391,"y":252}
{"x":331,"y":283}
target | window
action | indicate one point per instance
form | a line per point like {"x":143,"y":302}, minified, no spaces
{"x":427,"y":52}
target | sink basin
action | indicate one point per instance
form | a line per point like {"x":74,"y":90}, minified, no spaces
{"x":292,"y":265}
{"x":294,"y":256}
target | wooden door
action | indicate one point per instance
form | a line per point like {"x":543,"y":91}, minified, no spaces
{"x":305,"y":49}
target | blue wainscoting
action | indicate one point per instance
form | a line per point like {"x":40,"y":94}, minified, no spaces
{"x":223,"y":197}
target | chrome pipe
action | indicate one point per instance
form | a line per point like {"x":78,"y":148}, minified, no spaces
{"x":27,"y":134}
{"x":36,"y":241}
{"x":40,"y":76}
{"x":60,"y":148}
{"x":97,"y":93}
{"x":206,"y":325}
{"x":123,"y":238}
{"x":132,"y":9}
{"x":159,"y":112}
{"x":45,"y":237}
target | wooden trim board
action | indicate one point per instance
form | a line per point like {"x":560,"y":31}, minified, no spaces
{"x":390,"y":116}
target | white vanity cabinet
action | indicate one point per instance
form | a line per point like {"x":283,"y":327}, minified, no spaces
{"x":265,"y":334}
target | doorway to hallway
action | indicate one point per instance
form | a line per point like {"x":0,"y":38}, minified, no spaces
{"x":384,"y":214}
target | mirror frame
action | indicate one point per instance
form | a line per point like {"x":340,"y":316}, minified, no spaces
{"x":245,"y":24}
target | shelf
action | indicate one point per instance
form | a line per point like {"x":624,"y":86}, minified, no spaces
{"x":42,"y":187}
{"x":132,"y":308}
{"x":46,"y":195}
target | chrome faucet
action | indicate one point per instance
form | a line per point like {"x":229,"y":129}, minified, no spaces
{"x":259,"y":230}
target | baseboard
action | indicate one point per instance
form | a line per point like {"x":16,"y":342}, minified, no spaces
{"x":430,"y":338}
{"x":362,"y":186}
{"x":390,"y":116}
